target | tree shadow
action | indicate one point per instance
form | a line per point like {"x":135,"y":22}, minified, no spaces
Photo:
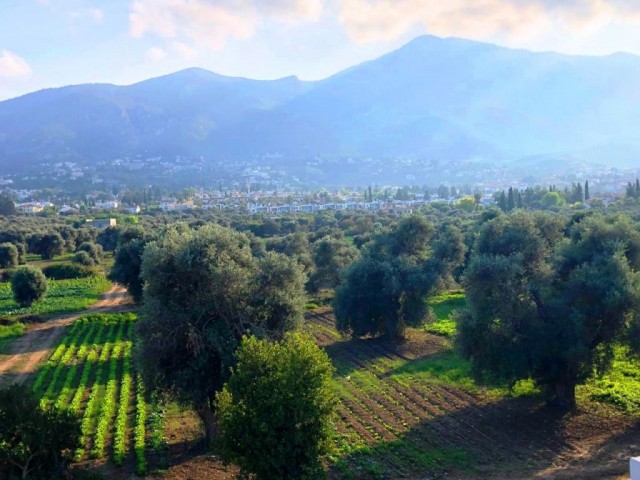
{"x":509,"y":438}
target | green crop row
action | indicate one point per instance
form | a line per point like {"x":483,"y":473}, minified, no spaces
{"x":55,"y":357}
{"x":139,"y":432}
{"x":93,"y":396}
{"x":120,"y":436}
{"x":81,"y":355}
{"x":90,"y":362}
{"x":78,"y":337}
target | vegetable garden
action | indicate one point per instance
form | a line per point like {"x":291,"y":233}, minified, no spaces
{"x":64,"y":296}
{"x":92,"y":373}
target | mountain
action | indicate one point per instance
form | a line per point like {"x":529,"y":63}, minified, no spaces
{"x":445,"y":99}
{"x":452,"y":98}
{"x":169,"y":115}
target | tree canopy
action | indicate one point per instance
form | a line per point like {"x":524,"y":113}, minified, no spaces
{"x":277,"y":408}
{"x":386,"y":289}
{"x":549,"y":303}
{"x":34,"y":442}
{"x":203,"y":291}
{"x":28,"y":285}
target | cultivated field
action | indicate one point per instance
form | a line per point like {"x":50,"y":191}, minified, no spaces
{"x":63,"y":296}
{"x":413,"y":410}
{"x":92,"y":373}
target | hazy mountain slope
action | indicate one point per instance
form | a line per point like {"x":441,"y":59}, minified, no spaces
{"x":162,"y":116}
{"x":453,"y":97}
{"x":433,"y":98}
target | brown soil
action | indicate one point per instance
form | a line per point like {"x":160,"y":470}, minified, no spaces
{"x":25,"y":353}
{"x":506,"y":438}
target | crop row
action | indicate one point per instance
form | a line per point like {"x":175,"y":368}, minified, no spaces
{"x":92,"y":373}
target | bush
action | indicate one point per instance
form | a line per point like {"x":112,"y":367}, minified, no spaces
{"x":34,"y":443}
{"x":276,"y":410}
{"x":67,"y":271}
{"x":83,"y":258}
{"x":8,"y":255}
{"x":28,"y":284}
{"x":94,"y":251}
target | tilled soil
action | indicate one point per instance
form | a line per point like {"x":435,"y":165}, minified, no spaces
{"x":506,"y":438}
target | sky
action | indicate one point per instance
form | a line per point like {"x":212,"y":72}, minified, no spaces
{"x":50,"y":43}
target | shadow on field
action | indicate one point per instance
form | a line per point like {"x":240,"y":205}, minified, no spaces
{"x":510,"y":438}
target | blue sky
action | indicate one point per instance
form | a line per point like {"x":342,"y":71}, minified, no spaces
{"x":47,"y":43}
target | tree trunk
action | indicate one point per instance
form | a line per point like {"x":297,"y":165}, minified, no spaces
{"x":564,"y":391}
{"x":395,"y":328}
{"x":209,"y":422}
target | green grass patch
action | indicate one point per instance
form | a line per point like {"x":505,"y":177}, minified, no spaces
{"x":64,"y":296}
{"x":449,"y":368}
{"x":620,"y":387}
{"x":8,"y":333}
{"x":444,"y":306}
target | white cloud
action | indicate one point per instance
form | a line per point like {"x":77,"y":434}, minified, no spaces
{"x":11,"y":65}
{"x":184,"y":50}
{"x":156,"y":54}
{"x":211,"y":23}
{"x":374,"y":20}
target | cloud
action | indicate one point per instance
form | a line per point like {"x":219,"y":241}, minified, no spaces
{"x":156,"y":54}
{"x":11,"y":65}
{"x":375,"y":20}
{"x":211,"y":23}
{"x":184,"y":50}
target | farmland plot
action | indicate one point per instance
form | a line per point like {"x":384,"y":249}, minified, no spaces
{"x":63,"y":296}
{"x":91,"y":372}
{"x":413,"y":409}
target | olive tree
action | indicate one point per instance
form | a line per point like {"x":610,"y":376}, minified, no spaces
{"x":46,"y":245}
{"x":94,"y":251}
{"x":127,"y":262}
{"x":8,"y":255}
{"x":277,"y":408}
{"x":330,"y":256}
{"x":28,"y":285}
{"x":550,"y":307}
{"x":385,"y":291}
{"x":204,"y":290}
{"x":34,"y":442}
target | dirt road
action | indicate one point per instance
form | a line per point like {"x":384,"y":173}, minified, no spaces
{"x":25,"y":354}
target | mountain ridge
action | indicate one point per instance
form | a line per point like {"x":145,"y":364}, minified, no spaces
{"x":444,"y":98}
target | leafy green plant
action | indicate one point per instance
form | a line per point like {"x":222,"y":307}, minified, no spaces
{"x":139,"y":432}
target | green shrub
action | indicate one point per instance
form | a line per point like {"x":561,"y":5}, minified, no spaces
{"x":276,"y":410}
{"x":8,"y":255}
{"x":66,"y":271}
{"x":83,"y":258}
{"x":93,"y":250}
{"x":35,"y":443}
{"x":29,"y":285}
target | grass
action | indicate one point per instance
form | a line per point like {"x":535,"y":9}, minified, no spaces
{"x":8,"y":333}
{"x":620,"y":387}
{"x":64,"y":296}
{"x":444,"y":306}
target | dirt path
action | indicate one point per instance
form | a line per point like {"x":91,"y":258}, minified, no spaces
{"x":25,"y":353}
